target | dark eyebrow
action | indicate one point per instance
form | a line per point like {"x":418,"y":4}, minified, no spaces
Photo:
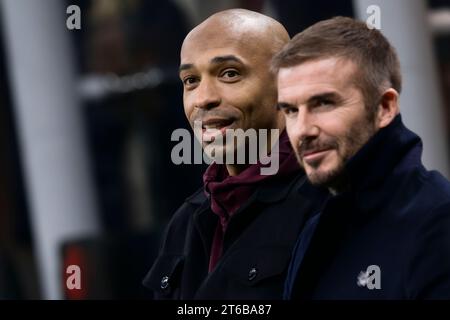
{"x":222,"y":59}
{"x":185,"y":66}
{"x":323,"y":96}
{"x":317,"y":97}
{"x":284,"y":105}
{"x":215,"y":60}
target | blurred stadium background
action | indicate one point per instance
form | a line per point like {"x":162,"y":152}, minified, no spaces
{"x":86,"y":118}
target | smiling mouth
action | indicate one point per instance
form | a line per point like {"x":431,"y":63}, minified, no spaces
{"x":313,"y":156}
{"x":216,"y":124}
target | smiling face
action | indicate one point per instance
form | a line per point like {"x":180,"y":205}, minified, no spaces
{"x":326,"y":119}
{"x":226,"y":79}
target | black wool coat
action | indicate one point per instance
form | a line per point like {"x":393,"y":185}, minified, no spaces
{"x":257,"y":247}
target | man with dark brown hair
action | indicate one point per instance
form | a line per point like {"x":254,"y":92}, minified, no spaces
{"x":384,"y":233}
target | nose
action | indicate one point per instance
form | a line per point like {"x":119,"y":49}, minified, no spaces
{"x":304,"y":126}
{"x":206,"y":95}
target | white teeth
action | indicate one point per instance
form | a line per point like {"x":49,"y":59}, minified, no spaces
{"x":211,"y":127}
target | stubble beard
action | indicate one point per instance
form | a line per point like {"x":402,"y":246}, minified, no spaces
{"x":336,"y":179}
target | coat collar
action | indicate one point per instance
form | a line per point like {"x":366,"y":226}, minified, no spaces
{"x":373,"y":175}
{"x":391,"y":150}
{"x":267,"y":193}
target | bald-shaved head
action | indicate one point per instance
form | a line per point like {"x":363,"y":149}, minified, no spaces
{"x":225,"y":70}
{"x":248,"y":27}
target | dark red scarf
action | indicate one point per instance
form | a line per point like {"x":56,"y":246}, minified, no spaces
{"x":229,"y":193}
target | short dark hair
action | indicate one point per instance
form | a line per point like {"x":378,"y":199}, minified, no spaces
{"x":378,"y":67}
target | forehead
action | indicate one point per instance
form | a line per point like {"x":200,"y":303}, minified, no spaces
{"x":203,"y":46}
{"x":309,"y":77}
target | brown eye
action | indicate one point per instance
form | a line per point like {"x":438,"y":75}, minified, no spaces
{"x":230,"y":75}
{"x":324,"y":103}
{"x":289,"y":111}
{"x":190,"y":82}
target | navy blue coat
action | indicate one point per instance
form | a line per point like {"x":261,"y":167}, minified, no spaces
{"x":395,"y":216}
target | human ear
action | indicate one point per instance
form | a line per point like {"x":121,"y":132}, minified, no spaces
{"x":387,"y":108}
